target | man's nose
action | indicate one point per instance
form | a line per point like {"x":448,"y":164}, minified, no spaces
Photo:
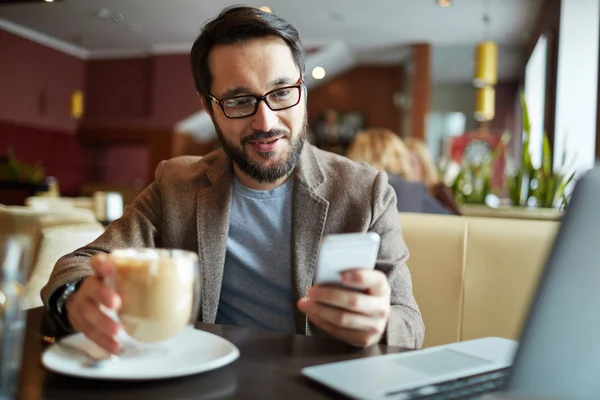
{"x":264,"y":119}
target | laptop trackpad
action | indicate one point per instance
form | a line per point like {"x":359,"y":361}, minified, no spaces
{"x":442,"y":362}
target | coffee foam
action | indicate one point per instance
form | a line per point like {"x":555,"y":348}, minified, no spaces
{"x":157,"y":294}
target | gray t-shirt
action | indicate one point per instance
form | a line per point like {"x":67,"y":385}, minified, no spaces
{"x":256,"y":288}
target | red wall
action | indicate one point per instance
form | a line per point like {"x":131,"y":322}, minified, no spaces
{"x":150,"y":92}
{"x":36,"y":83}
{"x":174,"y":96}
{"x":120,"y":165}
{"x":118,"y":89}
{"x":153,"y":91}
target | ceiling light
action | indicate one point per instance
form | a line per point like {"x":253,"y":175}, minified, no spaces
{"x":486,"y":64}
{"x":444,"y":3}
{"x":265,"y":9}
{"x":49,"y":1}
{"x":318,"y":73}
{"x":110,"y":16}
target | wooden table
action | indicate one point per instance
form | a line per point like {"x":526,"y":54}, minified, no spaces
{"x":269,"y":367}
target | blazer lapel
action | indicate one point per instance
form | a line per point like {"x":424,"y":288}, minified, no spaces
{"x":309,"y":214}
{"x":213,"y":215}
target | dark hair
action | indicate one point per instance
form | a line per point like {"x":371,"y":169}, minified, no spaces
{"x":236,"y":25}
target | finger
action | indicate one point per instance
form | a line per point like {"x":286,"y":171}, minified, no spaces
{"x":350,"y":300}
{"x":109,"y":344}
{"x":350,"y":336}
{"x":103,"y":265}
{"x":103,"y":335}
{"x":344,"y":319}
{"x":303,"y":304}
{"x":106,"y":342}
{"x":376,"y":282}
{"x":98,"y":327}
{"x":98,"y":319}
{"x":73,"y":314}
{"x":93,"y":288}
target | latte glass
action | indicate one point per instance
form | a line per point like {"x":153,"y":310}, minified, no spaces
{"x":159,"y":290}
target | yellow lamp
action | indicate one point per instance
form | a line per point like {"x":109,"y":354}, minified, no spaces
{"x":485,"y":104}
{"x":77,"y":104}
{"x":486,"y":64}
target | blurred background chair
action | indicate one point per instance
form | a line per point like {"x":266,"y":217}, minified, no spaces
{"x":53,"y":233}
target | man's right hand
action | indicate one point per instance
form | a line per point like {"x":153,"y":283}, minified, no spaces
{"x":83,"y":306}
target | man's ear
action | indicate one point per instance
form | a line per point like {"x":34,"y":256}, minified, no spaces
{"x":205,"y":106}
{"x":202,"y":101}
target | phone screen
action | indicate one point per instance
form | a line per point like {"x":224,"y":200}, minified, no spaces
{"x":344,"y":252}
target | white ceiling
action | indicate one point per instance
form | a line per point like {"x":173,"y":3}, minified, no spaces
{"x":375,"y":30}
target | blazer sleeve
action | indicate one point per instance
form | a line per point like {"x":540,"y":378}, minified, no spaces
{"x":405,"y":326}
{"x":138,"y":227}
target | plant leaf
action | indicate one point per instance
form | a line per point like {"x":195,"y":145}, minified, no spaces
{"x":561,"y":188}
{"x":546,"y":157}
{"x":526,"y":121}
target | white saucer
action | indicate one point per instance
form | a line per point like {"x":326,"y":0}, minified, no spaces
{"x":190,"y":352}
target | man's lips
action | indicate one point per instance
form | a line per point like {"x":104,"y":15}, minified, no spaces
{"x":265,"y":145}
{"x":265,"y":141}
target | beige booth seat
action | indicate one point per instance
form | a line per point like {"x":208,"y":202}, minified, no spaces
{"x":474,"y":277}
{"x":53,"y":233}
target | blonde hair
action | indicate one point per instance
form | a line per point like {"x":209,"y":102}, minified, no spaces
{"x":383,"y":149}
{"x":419,"y":149}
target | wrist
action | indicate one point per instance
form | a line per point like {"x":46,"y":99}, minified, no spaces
{"x":60,"y":306}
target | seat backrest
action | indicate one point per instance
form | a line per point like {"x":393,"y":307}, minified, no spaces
{"x":505,"y":258}
{"x":474,"y":277}
{"x":436,"y":244}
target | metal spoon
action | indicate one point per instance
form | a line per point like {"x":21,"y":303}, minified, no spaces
{"x":91,"y":361}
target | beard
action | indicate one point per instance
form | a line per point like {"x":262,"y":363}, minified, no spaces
{"x":255,"y":170}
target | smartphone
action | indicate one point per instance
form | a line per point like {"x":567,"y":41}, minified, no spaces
{"x":344,"y":251}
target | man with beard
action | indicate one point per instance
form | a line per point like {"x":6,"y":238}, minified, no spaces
{"x":255,"y":210}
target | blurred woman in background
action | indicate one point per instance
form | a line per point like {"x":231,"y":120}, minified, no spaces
{"x":384,"y":150}
{"x":425,"y":170}
{"x":421,"y":162}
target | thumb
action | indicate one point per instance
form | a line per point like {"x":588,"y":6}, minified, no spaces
{"x":103,"y":265}
{"x":373,"y":281}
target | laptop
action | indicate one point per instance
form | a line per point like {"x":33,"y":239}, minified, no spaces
{"x":559,"y":352}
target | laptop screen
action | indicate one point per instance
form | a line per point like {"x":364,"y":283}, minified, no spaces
{"x":559,"y":354}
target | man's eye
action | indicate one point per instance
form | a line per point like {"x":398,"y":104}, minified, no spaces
{"x":281,"y":94}
{"x":239,"y":102}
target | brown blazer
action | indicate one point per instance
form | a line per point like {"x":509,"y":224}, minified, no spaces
{"x":188,"y":206}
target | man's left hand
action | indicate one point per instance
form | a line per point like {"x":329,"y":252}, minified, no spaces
{"x":358,"y":319}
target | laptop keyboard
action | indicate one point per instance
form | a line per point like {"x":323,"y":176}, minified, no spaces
{"x":467,"y":388}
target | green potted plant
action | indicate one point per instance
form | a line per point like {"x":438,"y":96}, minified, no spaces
{"x":473,"y":183}
{"x":12,"y":170}
{"x":543,"y":187}
{"x":538,"y":187}
{"x":19,"y":180}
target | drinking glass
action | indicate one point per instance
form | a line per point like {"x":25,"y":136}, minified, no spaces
{"x":160,"y":296}
{"x":15,"y":253}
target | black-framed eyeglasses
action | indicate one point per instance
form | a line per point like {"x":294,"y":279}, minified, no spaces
{"x":246,"y":105}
